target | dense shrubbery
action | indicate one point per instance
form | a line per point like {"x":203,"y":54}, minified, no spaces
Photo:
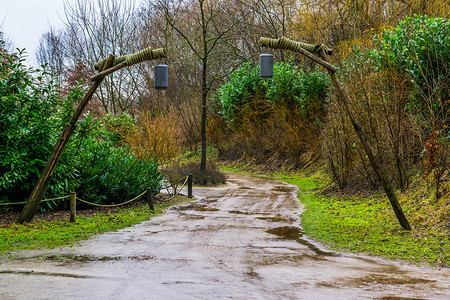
{"x":111,"y":174}
{"x":30,"y":113}
{"x":94,"y":163}
{"x":289,"y":87}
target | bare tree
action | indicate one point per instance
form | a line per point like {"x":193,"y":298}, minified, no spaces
{"x":50,"y":50}
{"x":205,"y":27}
{"x":92,"y":31}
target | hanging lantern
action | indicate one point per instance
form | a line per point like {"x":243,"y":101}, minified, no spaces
{"x":266,"y":65}
{"x":161,"y":77}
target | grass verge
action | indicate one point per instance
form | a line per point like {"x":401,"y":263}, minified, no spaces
{"x":44,"y":234}
{"x":368,"y":225}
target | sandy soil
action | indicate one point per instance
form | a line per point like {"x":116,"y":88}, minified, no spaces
{"x":239,"y":241}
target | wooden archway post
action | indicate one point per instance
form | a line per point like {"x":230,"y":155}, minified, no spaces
{"x":286,"y":44}
{"x":106,"y":66}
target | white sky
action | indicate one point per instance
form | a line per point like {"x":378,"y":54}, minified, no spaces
{"x":23,"y":22}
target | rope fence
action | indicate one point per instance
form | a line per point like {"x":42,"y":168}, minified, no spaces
{"x":150,"y":198}
{"x":45,"y":200}
{"x":176,"y":192}
{"x":111,"y":205}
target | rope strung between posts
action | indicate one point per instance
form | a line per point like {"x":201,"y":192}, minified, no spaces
{"x":132,"y":59}
{"x":176,"y":194}
{"x":112,"y":205}
{"x":174,"y":184}
{"x":108,"y":205}
{"x":46,"y":200}
{"x":284,"y":43}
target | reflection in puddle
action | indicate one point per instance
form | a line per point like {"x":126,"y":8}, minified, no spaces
{"x":399,"y":298}
{"x":281,"y":188}
{"x":375,"y":280}
{"x":191,"y":216}
{"x":289,"y":258}
{"x":273,"y":219}
{"x":383,"y":279}
{"x":287,"y":232}
{"x":239,"y":212}
{"x":195,"y":207}
{"x":252,"y":274}
{"x":295,"y":233}
{"x":46,"y":274}
{"x":67,"y":258}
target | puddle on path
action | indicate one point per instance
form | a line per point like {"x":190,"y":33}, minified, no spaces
{"x":295,"y":233}
{"x":287,"y":232}
{"x":238,"y":212}
{"x":375,"y":279}
{"x":372,"y":279}
{"x":194,"y":207}
{"x":399,"y":298}
{"x":192,"y":216}
{"x":71,"y":258}
{"x":282,"y":188}
{"x":45,"y":274}
{"x":273,"y":219}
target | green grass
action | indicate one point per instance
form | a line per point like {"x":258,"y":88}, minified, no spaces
{"x":42,"y":234}
{"x":368,"y":224}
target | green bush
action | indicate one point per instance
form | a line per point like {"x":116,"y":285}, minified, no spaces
{"x":420,"y":47}
{"x":30,"y":116}
{"x":243,"y":85}
{"x":114,"y":175}
{"x":284,"y":86}
{"x":289,"y":87}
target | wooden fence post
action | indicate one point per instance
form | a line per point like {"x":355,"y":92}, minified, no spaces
{"x":190,"y":177}
{"x":150,"y":199}
{"x":73,"y":206}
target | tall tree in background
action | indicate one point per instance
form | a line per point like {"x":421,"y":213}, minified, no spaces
{"x":205,"y":26}
{"x":50,"y":51}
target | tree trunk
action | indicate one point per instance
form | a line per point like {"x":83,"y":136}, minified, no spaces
{"x":204,"y":87}
{"x":203,"y":126}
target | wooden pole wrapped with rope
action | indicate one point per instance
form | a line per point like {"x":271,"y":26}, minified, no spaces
{"x":107,"y":66}
{"x":308,"y":50}
{"x":128,"y":60}
{"x":284,"y":43}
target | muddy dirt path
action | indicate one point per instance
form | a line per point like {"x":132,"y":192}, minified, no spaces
{"x":241,"y":241}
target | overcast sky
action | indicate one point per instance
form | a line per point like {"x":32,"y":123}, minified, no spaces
{"x":24,"y":21}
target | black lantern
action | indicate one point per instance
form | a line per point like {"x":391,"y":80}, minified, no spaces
{"x":266,"y":65}
{"x":161,"y":77}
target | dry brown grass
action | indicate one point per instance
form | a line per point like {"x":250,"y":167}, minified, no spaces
{"x":273,"y":137}
{"x":155,"y":137}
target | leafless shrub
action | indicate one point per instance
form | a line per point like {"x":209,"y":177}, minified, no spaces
{"x":380,"y":101}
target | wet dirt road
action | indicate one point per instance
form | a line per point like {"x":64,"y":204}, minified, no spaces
{"x":240,"y":241}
